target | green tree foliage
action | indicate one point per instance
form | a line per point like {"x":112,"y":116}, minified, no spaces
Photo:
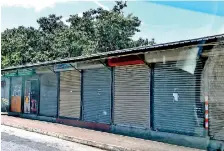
{"x":20,"y":45}
{"x":98,"y":30}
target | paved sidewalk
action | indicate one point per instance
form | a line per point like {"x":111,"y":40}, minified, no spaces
{"x":98,"y":139}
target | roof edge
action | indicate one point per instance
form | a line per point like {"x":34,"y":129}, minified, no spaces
{"x":126,"y":51}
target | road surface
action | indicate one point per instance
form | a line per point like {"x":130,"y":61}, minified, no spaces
{"x":20,"y":140}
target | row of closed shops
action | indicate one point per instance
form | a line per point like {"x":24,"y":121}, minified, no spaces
{"x":27,"y":91}
{"x":160,"y":93}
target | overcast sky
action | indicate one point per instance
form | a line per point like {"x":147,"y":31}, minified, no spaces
{"x":164,"y":21}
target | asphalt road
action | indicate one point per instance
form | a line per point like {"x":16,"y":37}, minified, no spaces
{"x":13,"y":139}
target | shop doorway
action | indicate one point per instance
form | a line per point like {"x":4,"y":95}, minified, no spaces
{"x":31,"y":96}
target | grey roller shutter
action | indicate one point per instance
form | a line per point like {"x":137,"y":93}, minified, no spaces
{"x":48,"y":94}
{"x":70,"y":94}
{"x":177,"y":106}
{"x":97,"y":95}
{"x":132,"y":96}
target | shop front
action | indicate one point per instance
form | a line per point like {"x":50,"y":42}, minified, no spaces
{"x":96,"y":93}
{"x":131,"y":92}
{"x":31,"y":95}
{"x":177,"y":107}
{"x":24,"y":91}
{"x":48,"y":91}
{"x":70,"y":91}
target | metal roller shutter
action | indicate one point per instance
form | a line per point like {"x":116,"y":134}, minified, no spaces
{"x":132,"y":96}
{"x":70,"y":94}
{"x":48,"y":94}
{"x":177,"y":106}
{"x":97,"y":95}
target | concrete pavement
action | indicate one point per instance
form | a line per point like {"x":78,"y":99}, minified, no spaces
{"x":13,"y":139}
{"x":97,"y":139}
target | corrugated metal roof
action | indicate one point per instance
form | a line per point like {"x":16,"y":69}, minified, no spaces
{"x":116,"y":52}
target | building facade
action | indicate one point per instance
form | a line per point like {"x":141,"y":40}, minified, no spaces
{"x":152,"y":93}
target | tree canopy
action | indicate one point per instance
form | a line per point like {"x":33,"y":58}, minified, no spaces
{"x":97,"y":30}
